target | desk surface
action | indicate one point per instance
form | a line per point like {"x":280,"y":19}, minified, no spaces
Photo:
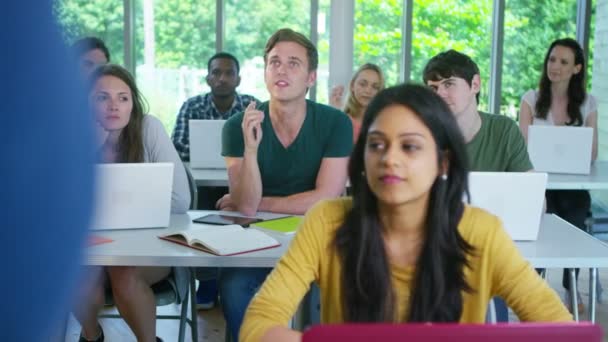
{"x":562,"y":245}
{"x":596,"y":180}
{"x":559,"y":245}
{"x":142,"y":247}
{"x":210,"y":177}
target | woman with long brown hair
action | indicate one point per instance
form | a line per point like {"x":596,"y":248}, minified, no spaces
{"x":128,"y":136}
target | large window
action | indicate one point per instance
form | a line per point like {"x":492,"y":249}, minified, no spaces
{"x":323,"y":20}
{"x":99,"y":18}
{"x":377,"y":36}
{"x":249,"y":24}
{"x":175,"y":38}
{"x":173,"y":41}
{"x":462,"y":25}
{"x":530,"y":27}
{"x":591,"y":45}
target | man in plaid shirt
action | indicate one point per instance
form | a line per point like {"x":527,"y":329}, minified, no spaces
{"x":221,"y":103}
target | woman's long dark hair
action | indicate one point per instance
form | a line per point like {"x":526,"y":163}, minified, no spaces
{"x":576,"y":87}
{"x":130,"y":142}
{"x":436,"y":295}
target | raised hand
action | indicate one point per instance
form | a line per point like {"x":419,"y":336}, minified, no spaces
{"x":336,"y":95}
{"x":252,"y":127}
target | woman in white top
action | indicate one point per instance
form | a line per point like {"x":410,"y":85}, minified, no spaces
{"x":561,"y":100}
{"x":129,"y":136}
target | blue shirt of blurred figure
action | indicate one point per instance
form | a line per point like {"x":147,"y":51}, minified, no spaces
{"x":46,"y":172}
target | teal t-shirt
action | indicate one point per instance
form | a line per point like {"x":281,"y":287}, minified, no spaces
{"x":326,"y":133}
{"x":498,"y":146}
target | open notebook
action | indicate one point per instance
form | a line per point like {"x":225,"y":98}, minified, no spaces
{"x":222,"y":240}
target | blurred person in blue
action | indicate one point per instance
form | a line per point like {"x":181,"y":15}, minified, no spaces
{"x":47,"y":150}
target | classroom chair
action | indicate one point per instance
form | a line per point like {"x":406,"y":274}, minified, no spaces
{"x":177,"y":288}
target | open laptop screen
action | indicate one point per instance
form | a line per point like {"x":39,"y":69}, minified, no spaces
{"x":515,"y":197}
{"x":206,"y":144}
{"x":133,"y":195}
{"x":562,"y":149}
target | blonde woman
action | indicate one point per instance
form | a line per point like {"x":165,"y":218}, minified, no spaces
{"x":365,"y":84}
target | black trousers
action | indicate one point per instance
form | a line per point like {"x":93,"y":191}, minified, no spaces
{"x":209,"y":195}
{"x":573,"y":206}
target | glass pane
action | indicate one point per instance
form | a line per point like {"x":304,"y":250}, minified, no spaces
{"x":249,"y":24}
{"x":591,"y":45}
{"x":323,"y":20}
{"x":377,"y":36}
{"x":526,"y":42}
{"x":174,"y":40}
{"x":100,"y":18}
{"x":462,"y":25}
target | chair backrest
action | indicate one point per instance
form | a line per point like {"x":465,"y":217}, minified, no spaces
{"x":193,"y":189}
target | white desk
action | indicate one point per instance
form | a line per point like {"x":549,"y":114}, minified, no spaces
{"x":597,"y":179}
{"x":210,"y":177}
{"x":560,"y":245}
{"x":142,"y":247}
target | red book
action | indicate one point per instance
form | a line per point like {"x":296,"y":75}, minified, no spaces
{"x":97,"y":240}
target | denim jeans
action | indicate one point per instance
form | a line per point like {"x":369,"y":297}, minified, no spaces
{"x":502,"y":311}
{"x":237,"y":286}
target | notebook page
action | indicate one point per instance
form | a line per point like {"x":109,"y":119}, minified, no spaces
{"x":232,"y":242}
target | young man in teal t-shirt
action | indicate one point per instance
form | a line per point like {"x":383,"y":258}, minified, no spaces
{"x":282,"y":156}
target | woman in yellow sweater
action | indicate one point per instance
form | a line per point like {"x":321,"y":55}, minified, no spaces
{"x":405,"y":248}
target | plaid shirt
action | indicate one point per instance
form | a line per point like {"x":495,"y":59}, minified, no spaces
{"x":201,"y":107}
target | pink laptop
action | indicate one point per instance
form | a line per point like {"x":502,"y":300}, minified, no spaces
{"x":522,"y":332}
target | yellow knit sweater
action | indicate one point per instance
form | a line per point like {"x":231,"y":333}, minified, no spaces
{"x":497,"y":269}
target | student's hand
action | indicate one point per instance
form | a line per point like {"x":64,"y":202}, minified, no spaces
{"x":225,"y":203}
{"x":101,"y":134}
{"x":252,"y":127}
{"x":335,"y":97}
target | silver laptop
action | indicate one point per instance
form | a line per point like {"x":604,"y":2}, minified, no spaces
{"x":206,"y":144}
{"x":560,"y":149}
{"x":517,"y":198}
{"x":133,"y":195}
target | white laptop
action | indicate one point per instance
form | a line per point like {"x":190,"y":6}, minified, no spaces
{"x":560,"y":149}
{"x":133,"y":195}
{"x":516,"y":197}
{"x":206,"y":144}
